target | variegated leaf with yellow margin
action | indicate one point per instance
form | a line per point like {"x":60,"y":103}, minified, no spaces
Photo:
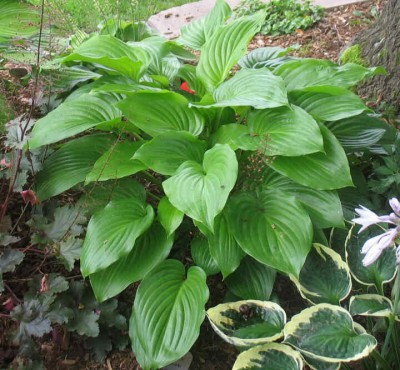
{"x":315,"y":364}
{"x":248,"y":323}
{"x":328,"y":333}
{"x":370,"y":305}
{"x":325,"y":277}
{"x":270,"y":356}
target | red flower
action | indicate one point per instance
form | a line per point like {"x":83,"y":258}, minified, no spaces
{"x":185,"y":87}
{"x":29,"y":196}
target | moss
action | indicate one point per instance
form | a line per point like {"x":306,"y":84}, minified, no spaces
{"x":353,"y":55}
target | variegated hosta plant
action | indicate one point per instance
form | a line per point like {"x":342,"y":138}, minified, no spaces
{"x":247,"y":163}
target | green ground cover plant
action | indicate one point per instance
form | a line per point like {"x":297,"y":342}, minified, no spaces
{"x":168,"y":155}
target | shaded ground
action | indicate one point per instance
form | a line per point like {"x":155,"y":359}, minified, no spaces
{"x":325,"y":40}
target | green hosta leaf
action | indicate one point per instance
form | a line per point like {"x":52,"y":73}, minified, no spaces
{"x":327,"y":332}
{"x":70,"y":164}
{"x":112,"y":232}
{"x":223,"y":246}
{"x":315,"y":170}
{"x":72,"y":118}
{"x":148,"y":251}
{"x":187,"y":73}
{"x":231,"y":134}
{"x":167,"y":314}
{"x":202,"y":257}
{"x":196,"y":33}
{"x":380,"y":272}
{"x":302,"y":73}
{"x":166,"y":152}
{"x":170,"y":217}
{"x":370,"y":305}
{"x":257,"y":88}
{"x":328,"y":103}
{"x":116,"y":162}
{"x":315,"y":364}
{"x":270,"y":356}
{"x":260,"y":225}
{"x":112,"y":53}
{"x":259,"y":57}
{"x":248,"y":323}
{"x":287,"y":131}
{"x":252,"y":280}
{"x":161,"y":111}
{"x":325,"y":277}
{"x":323,"y":206}
{"x":360,"y":132}
{"x":224,"y":48}
{"x":201,"y":190}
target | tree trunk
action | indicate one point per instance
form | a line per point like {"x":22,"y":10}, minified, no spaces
{"x":380,"y":46}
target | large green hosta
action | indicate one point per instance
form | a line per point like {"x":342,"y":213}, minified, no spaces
{"x":251,"y":159}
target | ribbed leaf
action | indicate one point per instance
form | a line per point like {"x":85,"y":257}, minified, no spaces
{"x":72,"y":118}
{"x":117,"y":162}
{"x":201,"y":190}
{"x":302,"y":73}
{"x":328,"y":333}
{"x":315,"y":364}
{"x":148,"y":251}
{"x":257,"y":88}
{"x":248,"y":323}
{"x":370,"y":305}
{"x":202,"y":257}
{"x":166,"y":152}
{"x":170,"y":217}
{"x":328,"y":103}
{"x":167,"y":314}
{"x":70,"y":164}
{"x":270,"y":356}
{"x":252,"y":280}
{"x":257,"y":58}
{"x":232,"y":134}
{"x":224,"y":48}
{"x":196,"y":33}
{"x":112,"y":232}
{"x":288,"y":131}
{"x":315,"y":170}
{"x":325,"y":277}
{"x":161,"y":111}
{"x":110,"y":52}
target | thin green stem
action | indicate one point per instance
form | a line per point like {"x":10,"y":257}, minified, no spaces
{"x":151,"y":178}
{"x":155,"y":197}
{"x":383,"y":364}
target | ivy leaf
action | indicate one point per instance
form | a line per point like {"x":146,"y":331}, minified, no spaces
{"x":85,"y":322}
{"x":70,"y":251}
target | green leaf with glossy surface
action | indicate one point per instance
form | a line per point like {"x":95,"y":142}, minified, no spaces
{"x":252,"y":280}
{"x":166,"y":152}
{"x":201,"y":190}
{"x":170,"y":217}
{"x":167,"y":314}
{"x":202,"y":257}
{"x":370,"y":305}
{"x":117,"y":162}
{"x":270,"y":356}
{"x":328,"y":333}
{"x":70,"y":164}
{"x":112,"y":232}
{"x":325,"y":277}
{"x":257,"y":58}
{"x":156,"y":112}
{"x":260,"y":225}
{"x":315,"y":170}
{"x":248,"y":323}
{"x":257,"y":88}
{"x":328,"y":103}
{"x":196,"y":33}
{"x":287,"y":131}
{"x":224,"y":48}
{"x":148,"y":251}
{"x":72,"y":118}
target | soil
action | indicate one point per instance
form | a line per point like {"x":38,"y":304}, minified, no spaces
{"x":325,"y":40}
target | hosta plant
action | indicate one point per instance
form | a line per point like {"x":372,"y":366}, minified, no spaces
{"x":239,"y":169}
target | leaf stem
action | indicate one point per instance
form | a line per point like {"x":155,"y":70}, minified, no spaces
{"x":151,"y":178}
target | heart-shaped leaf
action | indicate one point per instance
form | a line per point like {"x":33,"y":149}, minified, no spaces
{"x":370,"y":305}
{"x":248,"y":323}
{"x":257,"y":58}
{"x":201,"y":191}
{"x":328,"y":333}
{"x":156,"y":112}
{"x":260,"y":225}
{"x":170,"y":217}
{"x":148,"y":251}
{"x":112,"y":232}
{"x":167,"y":314}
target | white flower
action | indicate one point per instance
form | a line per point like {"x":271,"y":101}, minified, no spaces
{"x":395,"y":204}
{"x":374,"y":247}
{"x":367,"y":218}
